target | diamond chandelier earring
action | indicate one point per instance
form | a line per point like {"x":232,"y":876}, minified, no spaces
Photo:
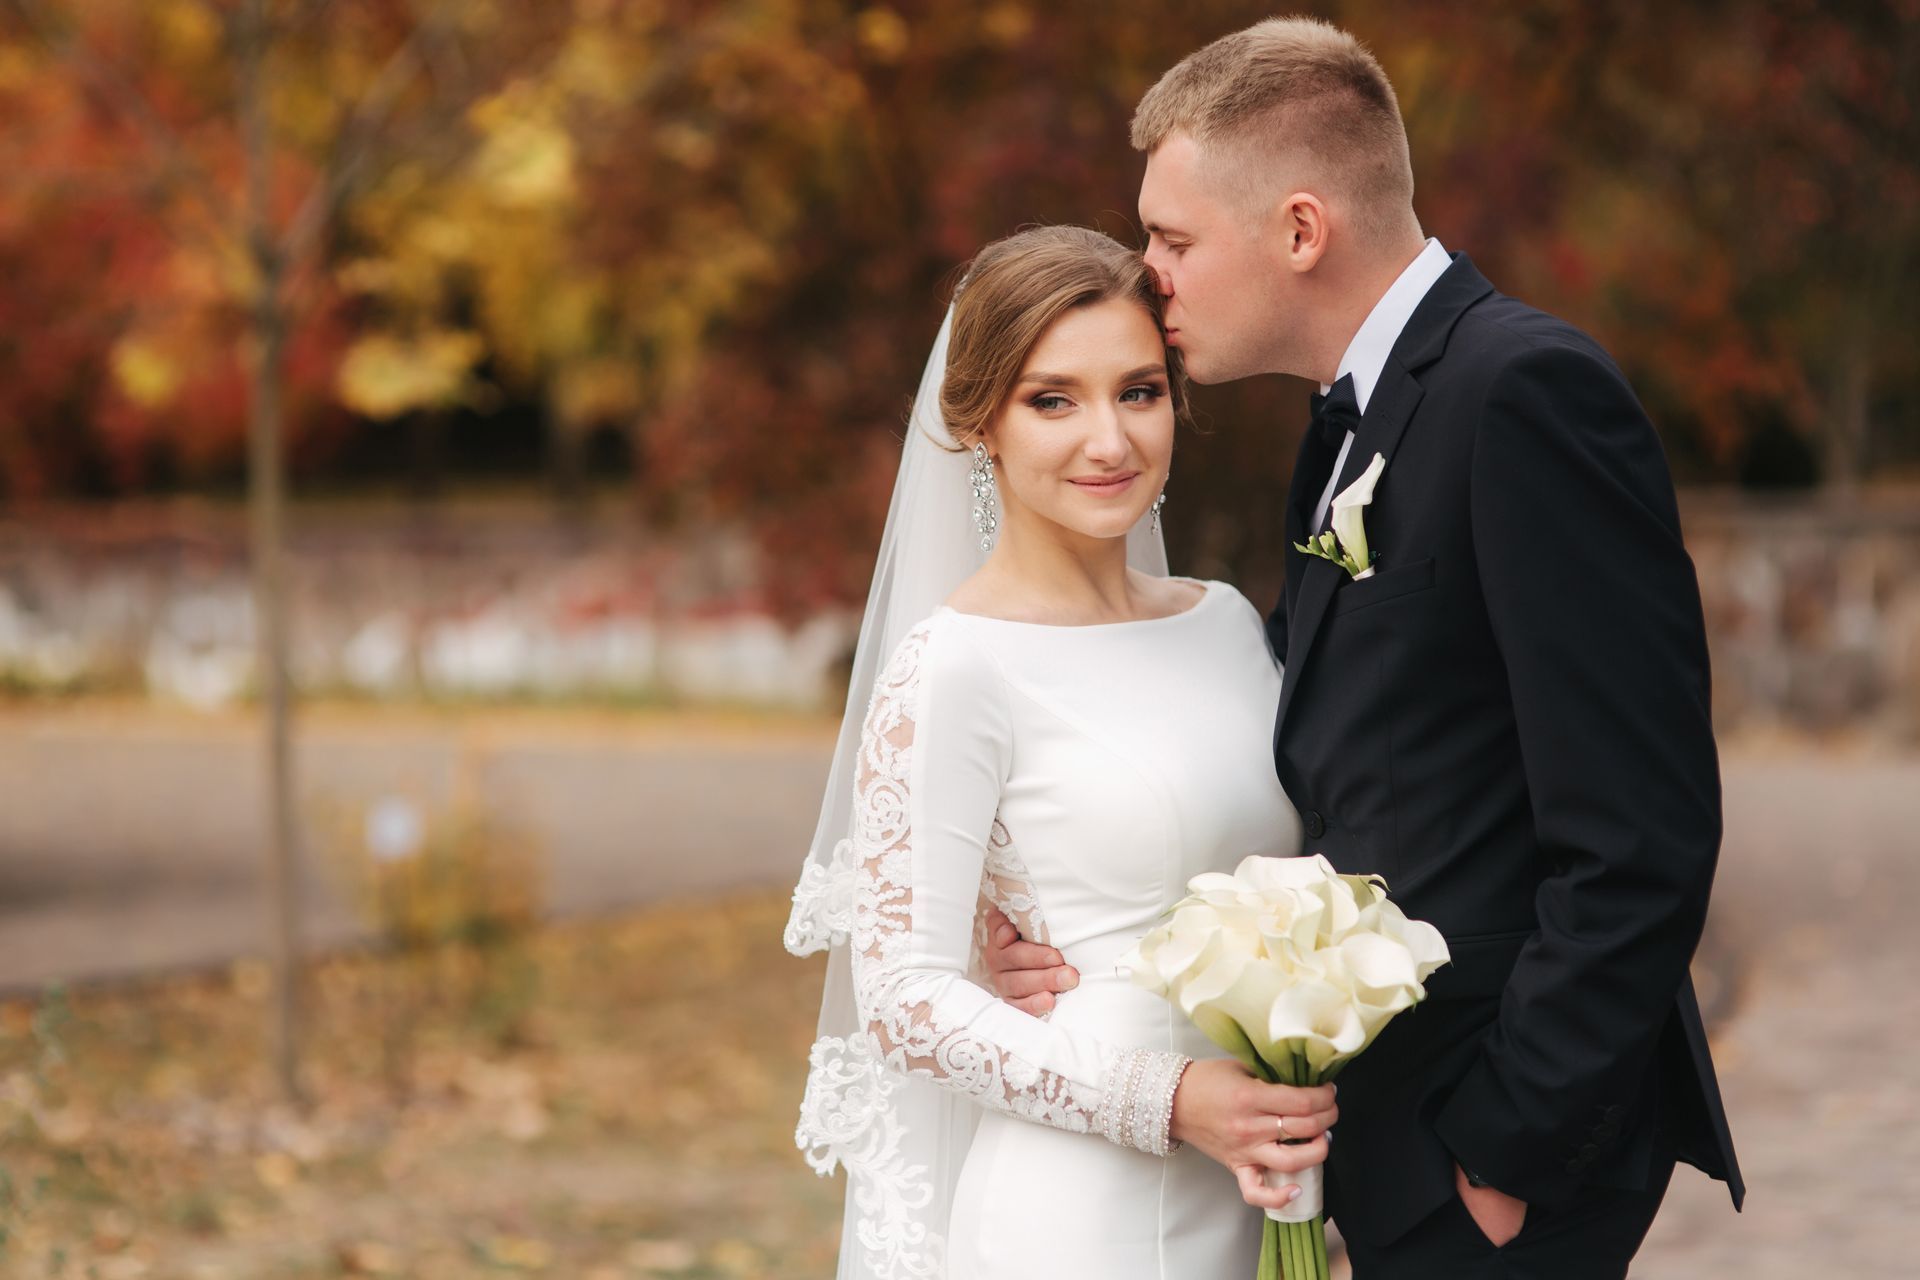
{"x":986,"y":502}
{"x":1158,"y":503}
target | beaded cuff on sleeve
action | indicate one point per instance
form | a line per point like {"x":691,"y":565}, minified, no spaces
{"x":1137,"y":1109}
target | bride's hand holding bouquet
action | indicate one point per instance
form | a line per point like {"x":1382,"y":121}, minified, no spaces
{"x":1251,"y":1124}
{"x":1294,"y":969}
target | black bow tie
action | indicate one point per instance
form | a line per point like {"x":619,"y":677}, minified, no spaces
{"x":1336,"y":413}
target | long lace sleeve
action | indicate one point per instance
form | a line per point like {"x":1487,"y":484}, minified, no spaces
{"x":933,"y":758}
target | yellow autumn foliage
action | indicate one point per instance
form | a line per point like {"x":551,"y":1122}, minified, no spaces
{"x":384,"y":376}
{"x":144,"y":373}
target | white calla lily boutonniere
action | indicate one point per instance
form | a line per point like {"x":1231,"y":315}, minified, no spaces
{"x":1346,"y":543}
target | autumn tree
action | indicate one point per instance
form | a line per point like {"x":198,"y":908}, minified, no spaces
{"x":233,"y":136}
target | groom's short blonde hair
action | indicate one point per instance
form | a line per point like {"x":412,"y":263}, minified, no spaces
{"x":1293,"y":100}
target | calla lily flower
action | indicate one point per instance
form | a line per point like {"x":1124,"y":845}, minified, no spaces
{"x":1286,"y":958}
{"x":1346,"y":543}
{"x":1349,"y":515}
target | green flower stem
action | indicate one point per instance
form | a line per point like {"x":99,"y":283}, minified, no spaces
{"x":1304,"y":1251}
{"x":1292,"y":1250}
{"x":1328,"y":547}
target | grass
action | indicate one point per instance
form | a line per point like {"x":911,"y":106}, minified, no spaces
{"x":633,"y":1117}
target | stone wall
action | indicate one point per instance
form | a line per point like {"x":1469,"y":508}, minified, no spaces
{"x":1813,"y":609}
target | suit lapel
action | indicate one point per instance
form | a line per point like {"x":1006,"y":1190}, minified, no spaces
{"x":1310,"y":469}
{"x":1389,"y":410}
{"x":1394,"y":399}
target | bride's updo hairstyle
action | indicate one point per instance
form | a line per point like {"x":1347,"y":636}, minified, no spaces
{"x":1012,"y":292}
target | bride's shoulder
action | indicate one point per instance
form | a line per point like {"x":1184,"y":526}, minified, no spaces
{"x":1239,"y":601}
{"x":1232,"y":593}
{"x":1233,"y":603}
{"x":978,"y":594}
{"x":1170,"y":594}
{"x":938,"y":668}
{"x":939,"y":643}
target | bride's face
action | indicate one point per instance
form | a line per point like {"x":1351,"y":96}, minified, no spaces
{"x":1084,"y":441}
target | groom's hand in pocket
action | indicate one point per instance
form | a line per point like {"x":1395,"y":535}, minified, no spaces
{"x":1498,"y":1215}
{"x":1026,"y":975}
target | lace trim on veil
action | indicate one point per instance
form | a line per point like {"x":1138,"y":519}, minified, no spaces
{"x":849,"y":1118}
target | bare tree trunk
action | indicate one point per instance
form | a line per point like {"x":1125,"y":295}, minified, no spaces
{"x":1846,"y":451}
{"x":426,"y":455}
{"x":266,"y":485}
{"x":270,"y":317}
{"x":566,"y":461}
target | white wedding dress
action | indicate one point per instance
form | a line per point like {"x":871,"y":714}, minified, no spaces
{"x":1076,"y":777}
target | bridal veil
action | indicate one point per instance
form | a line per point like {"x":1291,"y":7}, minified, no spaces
{"x":901,"y":1140}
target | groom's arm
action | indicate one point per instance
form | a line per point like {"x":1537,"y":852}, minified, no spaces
{"x":1596,"y":613}
{"x":1024,"y":974}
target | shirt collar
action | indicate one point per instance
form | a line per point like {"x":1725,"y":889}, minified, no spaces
{"x":1367,"y":354}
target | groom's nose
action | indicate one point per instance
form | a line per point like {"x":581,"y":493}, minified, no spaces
{"x":1161,"y":279}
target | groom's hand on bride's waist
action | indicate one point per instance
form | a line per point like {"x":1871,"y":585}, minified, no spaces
{"x":1026,"y":975}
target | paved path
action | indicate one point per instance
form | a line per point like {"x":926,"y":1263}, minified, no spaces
{"x":129,"y":844}
{"x":132,"y":844}
{"x":1819,"y":898}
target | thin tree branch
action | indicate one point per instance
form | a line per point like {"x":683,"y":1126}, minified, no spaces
{"x":356,"y":136}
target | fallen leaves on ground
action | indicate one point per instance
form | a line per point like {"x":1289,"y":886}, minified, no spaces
{"x":638,"y":1123}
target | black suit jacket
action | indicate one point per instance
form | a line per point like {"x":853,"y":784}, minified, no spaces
{"x":1510,"y":722}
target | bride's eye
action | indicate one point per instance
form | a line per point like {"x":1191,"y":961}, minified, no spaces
{"x":1048,"y":403}
{"x":1146,"y":394}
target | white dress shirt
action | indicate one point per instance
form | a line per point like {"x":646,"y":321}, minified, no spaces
{"x":1373,"y":342}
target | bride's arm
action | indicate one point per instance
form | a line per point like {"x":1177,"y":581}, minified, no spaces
{"x":933,"y":759}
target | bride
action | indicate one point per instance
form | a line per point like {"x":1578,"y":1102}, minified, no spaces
{"x":1058,"y":730}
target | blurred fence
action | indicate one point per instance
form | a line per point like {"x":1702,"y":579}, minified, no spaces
{"x":1813,"y":609}
{"x":511,"y":602}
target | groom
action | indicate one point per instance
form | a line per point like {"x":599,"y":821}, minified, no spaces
{"x":1508,"y":719}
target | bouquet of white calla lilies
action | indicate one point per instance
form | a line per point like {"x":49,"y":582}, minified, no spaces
{"x":1294,"y":969}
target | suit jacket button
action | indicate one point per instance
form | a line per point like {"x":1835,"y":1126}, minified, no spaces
{"x":1315,"y":824}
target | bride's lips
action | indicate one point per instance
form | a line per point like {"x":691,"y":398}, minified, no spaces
{"x":1106,"y":487}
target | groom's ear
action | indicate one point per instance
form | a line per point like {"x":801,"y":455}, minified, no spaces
{"x":1303,"y":227}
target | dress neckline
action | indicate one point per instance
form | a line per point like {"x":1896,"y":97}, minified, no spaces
{"x":1207,"y":591}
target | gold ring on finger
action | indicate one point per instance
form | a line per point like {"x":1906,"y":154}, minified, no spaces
{"x":1282,"y":1124}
